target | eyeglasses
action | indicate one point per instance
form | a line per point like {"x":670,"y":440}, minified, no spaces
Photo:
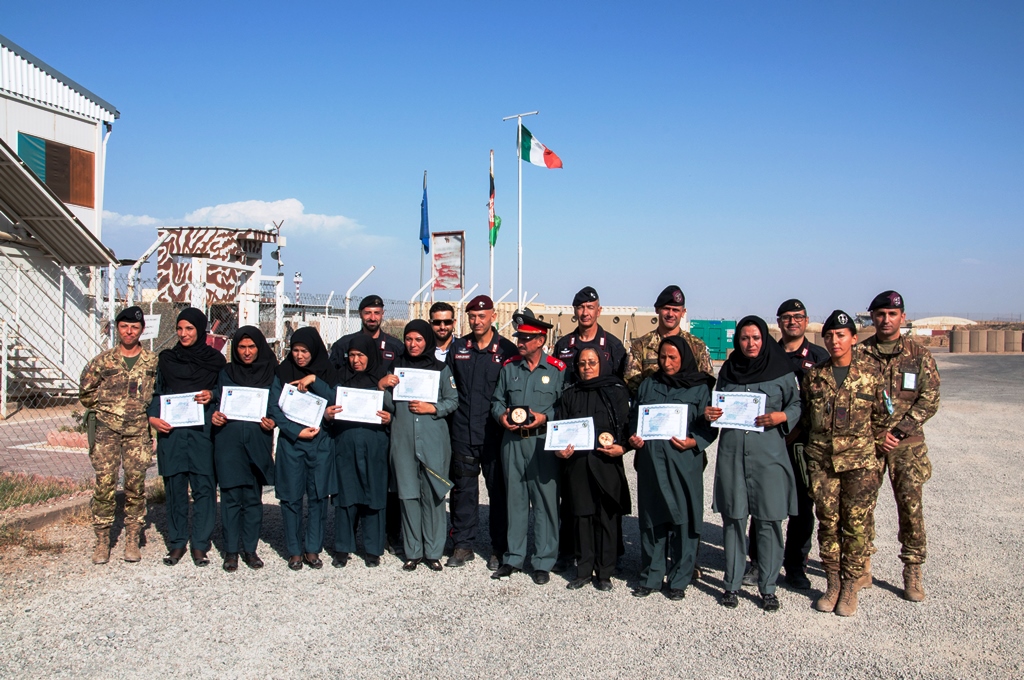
{"x":442,"y":322}
{"x":785,"y":318}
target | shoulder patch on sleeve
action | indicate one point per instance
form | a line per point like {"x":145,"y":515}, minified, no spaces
{"x":557,"y":363}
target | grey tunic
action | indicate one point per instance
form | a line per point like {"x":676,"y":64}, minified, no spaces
{"x":753,"y":475}
{"x":422,"y":440}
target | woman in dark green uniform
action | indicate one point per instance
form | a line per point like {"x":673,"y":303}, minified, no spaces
{"x":185,"y":454}
{"x":242,"y":450}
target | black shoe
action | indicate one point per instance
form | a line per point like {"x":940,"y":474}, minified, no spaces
{"x":174,"y":556}
{"x":504,"y":571}
{"x":541,"y":577}
{"x":642,"y":591}
{"x":603,"y":584}
{"x":730,"y":599}
{"x":493,"y":562}
{"x":459,"y":557}
{"x":561,"y":564}
{"x":798,"y":579}
{"x":675,"y":594}
{"x":313,"y":560}
{"x":751,"y":575}
{"x":231,"y":562}
{"x":770,"y":603}
{"x":295,"y":562}
{"x":252,"y":560}
{"x":578,"y":583}
{"x":393,"y":545}
{"x":199,"y":558}
{"x":433,"y":565}
{"x":410,"y":565}
{"x":340,"y":560}
{"x":372,"y":561}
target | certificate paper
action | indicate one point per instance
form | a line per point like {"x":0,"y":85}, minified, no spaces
{"x":579,"y":432}
{"x":303,"y":408}
{"x":359,"y":406}
{"x":244,"y":403}
{"x":739,"y":409}
{"x":181,"y":410}
{"x":662,"y":421}
{"x":416,"y":384}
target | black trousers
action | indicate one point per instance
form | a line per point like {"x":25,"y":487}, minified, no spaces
{"x":241,"y":517}
{"x":464,"y":501}
{"x":204,"y":512}
{"x":800,"y":527}
{"x":597,"y":539}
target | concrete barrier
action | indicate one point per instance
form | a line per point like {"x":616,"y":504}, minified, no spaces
{"x":960,"y":342}
{"x":1012,"y":341}
{"x":977,"y":343}
{"x":994,"y":341}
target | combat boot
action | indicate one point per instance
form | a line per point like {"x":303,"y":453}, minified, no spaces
{"x":101,"y":553}
{"x":847,"y":605}
{"x":913,"y":588}
{"x":131,"y":543}
{"x":827,"y":602}
{"x":866,"y":581}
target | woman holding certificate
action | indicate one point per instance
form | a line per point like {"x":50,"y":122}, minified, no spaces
{"x":420,"y":444}
{"x":670,"y":437}
{"x":758,"y":396}
{"x":305,"y":457}
{"x":360,"y":456}
{"x":243,"y":436}
{"x":180,"y":412}
{"x":594,"y":485}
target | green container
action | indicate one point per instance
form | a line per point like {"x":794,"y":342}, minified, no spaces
{"x":717,"y":334}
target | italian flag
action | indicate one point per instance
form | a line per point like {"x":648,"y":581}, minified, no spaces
{"x":532,"y":151}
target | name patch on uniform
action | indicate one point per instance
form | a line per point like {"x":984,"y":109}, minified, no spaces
{"x":389,"y":355}
{"x":808,"y":365}
{"x":909,"y":382}
{"x":545,"y":379}
{"x":460,"y":355}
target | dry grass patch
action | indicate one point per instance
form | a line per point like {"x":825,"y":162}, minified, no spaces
{"x":155,"y":492}
{"x":18,"y":489}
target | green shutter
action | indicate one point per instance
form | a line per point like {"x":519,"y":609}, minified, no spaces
{"x":33,"y":151}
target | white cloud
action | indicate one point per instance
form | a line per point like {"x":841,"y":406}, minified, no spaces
{"x":116,"y":220}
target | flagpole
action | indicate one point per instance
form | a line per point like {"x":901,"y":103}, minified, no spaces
{"x":491,"y":226}
{"x":519,"y":162}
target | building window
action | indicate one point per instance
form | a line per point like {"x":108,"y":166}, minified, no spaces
{"x":67,"y":170}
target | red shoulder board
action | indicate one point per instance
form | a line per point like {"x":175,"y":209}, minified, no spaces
{"x":557,"y":363}
{"x":514,"y":357}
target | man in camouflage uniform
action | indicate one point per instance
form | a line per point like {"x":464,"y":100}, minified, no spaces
{"x":911,"y":382}
{"x":843,"y":410}
{"x":116,"y":387}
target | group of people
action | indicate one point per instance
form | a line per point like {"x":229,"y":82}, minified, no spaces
{"x":833,"y":420}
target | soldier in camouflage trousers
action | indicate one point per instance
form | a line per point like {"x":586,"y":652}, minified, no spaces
{"x":911,"y":383}
{"x":843,"y":410}
{"x":116,"y":387}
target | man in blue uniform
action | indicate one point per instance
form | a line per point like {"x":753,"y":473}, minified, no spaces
{"x":476,"y":360}
{"x":523,"y":402}
{"x":586,"y":305}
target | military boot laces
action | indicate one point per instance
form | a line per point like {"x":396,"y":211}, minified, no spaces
{"x":827,"y":602}
{"x":913,"y":588}
{"x":131,"y":543}
{"x":101,"y":553}
{"x":847,"y":605}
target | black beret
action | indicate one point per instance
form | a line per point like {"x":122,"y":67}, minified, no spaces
{"x":838,"y":319}
{"x":889,"y":299}
{"x":791,"y":305}
{"x":672,"y":295}
{"x":480,"y":302}
{"x":528,"y":324}
{"x":371,"y":301}
{"x":586,"y":294}
{"x":132,"y":315}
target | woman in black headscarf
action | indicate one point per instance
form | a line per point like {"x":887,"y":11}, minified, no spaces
{"x":360,"y":460}
{"x":421,"y":451}
{"x":753,"y":475}
{"x":305,"y":457}
{"x":185,"y":454}
{"x":242,"y":451}
{"x":670,"y":472}
{"x":594,"y":486}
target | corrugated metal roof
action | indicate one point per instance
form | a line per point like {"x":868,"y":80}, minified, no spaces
{"x":29,"y":77}
{"x":30,"y":204}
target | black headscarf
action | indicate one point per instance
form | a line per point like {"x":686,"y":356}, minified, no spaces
{"x":319,"y":363}
{"x":260,"y":373}
{"x":193,"y":368}
{"x":770,"y":363}
{"x":688,"y":374}
{"x":427,"y":360}
{"x":603,"y":379}
{"x":366,"y":379}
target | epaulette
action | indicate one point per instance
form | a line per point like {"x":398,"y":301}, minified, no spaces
{"x":515,"y":357}
{"x":557,"y":363}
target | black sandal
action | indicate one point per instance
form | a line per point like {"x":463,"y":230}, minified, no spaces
{"x":295,"y":562}
{"x":313,"y":560}
{"x":199,"y":558}
{"x":174,"y":556}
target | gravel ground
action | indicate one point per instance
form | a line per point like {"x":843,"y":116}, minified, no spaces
{"x":61,"y":616}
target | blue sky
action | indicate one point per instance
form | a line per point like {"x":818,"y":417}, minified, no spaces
{"x":749,"y":152}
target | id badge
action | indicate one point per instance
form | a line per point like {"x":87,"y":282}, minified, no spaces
{"x":841,"y":414}
{"x":909,"y":383}
{"x":133,"y":388}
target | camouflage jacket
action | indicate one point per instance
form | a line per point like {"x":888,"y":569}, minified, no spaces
{"x":911,"y":382}
{"x":119,"y":396}
{"x":643,"y":357}
{"x":843,"y":422}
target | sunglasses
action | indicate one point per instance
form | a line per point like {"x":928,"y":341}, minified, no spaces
{"x":442,"y":322}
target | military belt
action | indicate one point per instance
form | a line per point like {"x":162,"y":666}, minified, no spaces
{"x":534,"y":432}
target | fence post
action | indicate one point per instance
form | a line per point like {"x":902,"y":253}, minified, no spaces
{"x":3,"y":369}
{"x":279,"y":309}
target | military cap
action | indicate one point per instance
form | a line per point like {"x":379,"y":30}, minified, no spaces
{"x":838,"y":319}
{"x":371,"y":301}
{"x":131,"y":315}
{"x":528,"y":324}
{"x":889,"y":299}
{"x":586,"y":294}
{"x":791,"y":305}
{"x":480,"y":302}
{"x":672,"y":295}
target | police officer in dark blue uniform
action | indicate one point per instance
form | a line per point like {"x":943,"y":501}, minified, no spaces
{"x":586,"y":306}
{"x":476,"y":360}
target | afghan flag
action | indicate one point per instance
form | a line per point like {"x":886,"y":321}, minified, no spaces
{"x":532,"y":151}
{"x":493,"y":221}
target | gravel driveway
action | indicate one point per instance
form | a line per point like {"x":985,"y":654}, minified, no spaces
{"x":60,"y":616}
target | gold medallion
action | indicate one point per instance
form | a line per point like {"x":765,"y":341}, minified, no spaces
{"x":605,"y":439}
